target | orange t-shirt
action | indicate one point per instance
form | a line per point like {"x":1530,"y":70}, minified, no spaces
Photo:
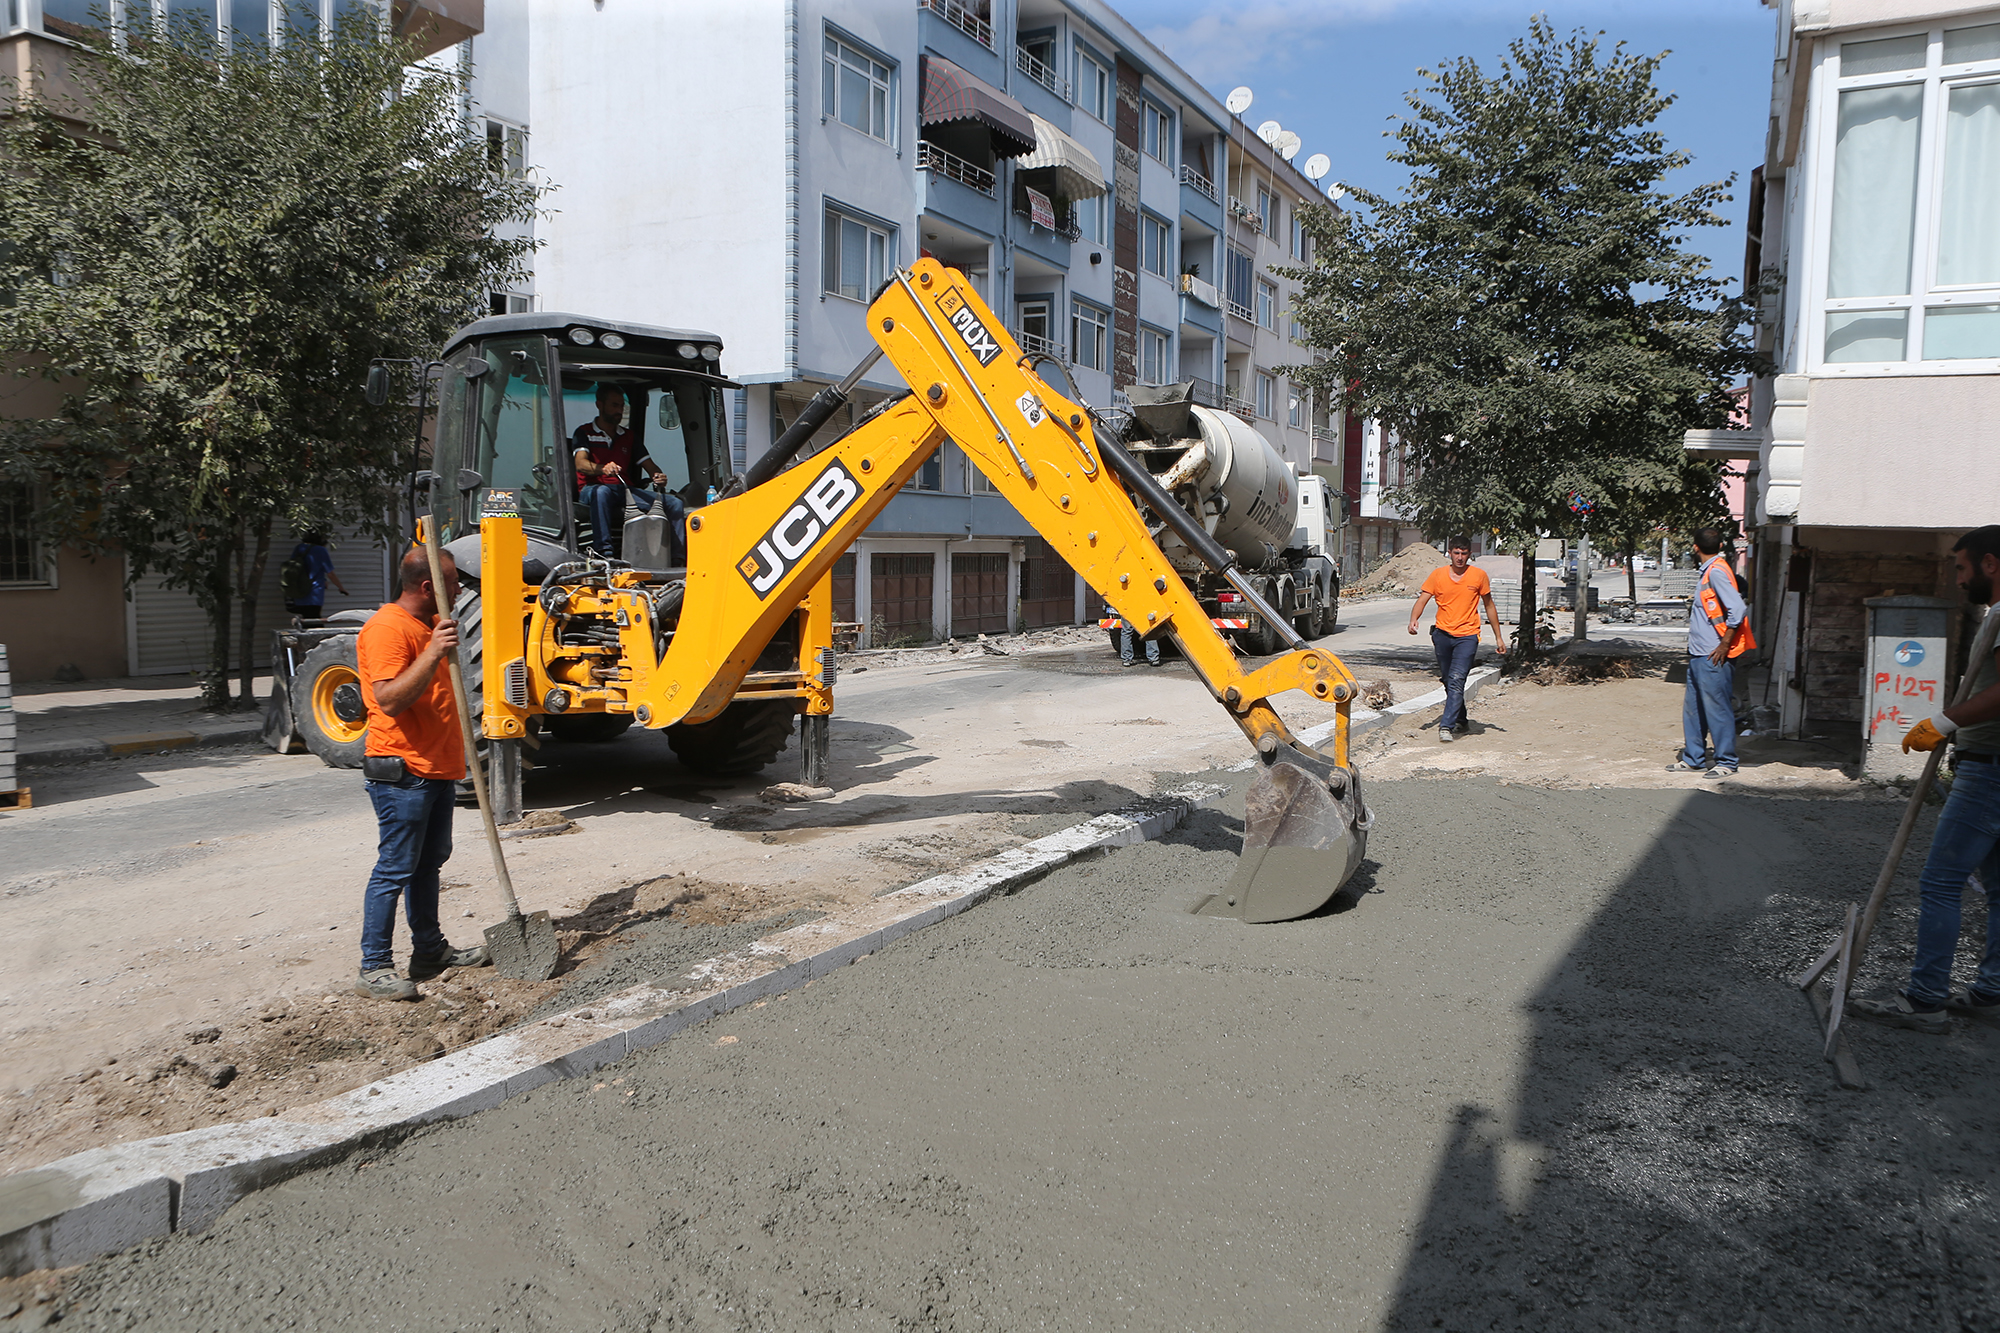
{"x":424,"y":735}
{"x":1458,"y":599}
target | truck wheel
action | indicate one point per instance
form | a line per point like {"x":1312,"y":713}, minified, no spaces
{"x":327,"y":706}
{"x":1312,"y":624}
{"x":586,"y":728}
{"x":743,"y":738}
{"x":1261,"y":640}
{"x":1117,"y":640}
{"x":1331,"y":611}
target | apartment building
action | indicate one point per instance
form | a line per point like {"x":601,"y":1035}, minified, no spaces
{"x":63,"y":612}
{"x":1045,"y":147}
{"x":1877,"y":211}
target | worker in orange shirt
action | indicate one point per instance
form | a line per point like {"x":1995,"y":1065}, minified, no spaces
{"x":414,"y":759}
{"x":1459,"y":589}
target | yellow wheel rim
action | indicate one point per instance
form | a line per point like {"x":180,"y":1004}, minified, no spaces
{"x":337,"y":690}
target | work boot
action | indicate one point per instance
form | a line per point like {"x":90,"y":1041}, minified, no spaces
{"x":1898,"y":1011}
{"x":425,"y":966}
{"x":1965,"y":1000}
{"x":384,"y":984}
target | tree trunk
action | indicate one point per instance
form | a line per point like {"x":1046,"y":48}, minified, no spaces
{"x":215,"y":681}
{"x":1525,"y":646}
{"x":1631,"y":575}
{"x":253,"y":578}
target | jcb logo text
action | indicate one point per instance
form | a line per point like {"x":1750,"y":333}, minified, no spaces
{"x":832,"y":493}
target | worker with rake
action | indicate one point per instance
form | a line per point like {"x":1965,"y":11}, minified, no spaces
{"x":1967,"y":838}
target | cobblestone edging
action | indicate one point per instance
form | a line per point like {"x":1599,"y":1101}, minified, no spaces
{"x":108,"y":1199}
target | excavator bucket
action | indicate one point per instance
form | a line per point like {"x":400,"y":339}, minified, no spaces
{"x":1305,"y":832}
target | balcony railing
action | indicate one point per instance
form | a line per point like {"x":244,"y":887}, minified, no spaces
{"x":967,"y":22}
{"x":1326,"y":444}
{"x":1203,"y":292}
{"x":1239,"y":209}
{"x":1207,"y":393}
{"x":1241,"y":407}
{"x":934,"y":159}
{"x":1199,"y":183}
{"x":1041,"y":73}
{"x":1034,"y":344}
{"x":1241,"y":311}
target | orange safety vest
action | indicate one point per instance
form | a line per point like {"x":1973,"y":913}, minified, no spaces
{"x":1711,"y":606}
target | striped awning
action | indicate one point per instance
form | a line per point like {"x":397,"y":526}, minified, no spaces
{"x":952,"y":94}
{"x":1078,"y":174}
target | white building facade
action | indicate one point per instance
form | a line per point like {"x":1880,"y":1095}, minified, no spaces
{"x":1877,"y":214}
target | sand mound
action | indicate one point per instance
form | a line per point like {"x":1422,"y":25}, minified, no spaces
{"x":1403,"y":572}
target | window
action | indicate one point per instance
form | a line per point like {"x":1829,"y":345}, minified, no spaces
{"x":506,"y":148}
{"x":25,"y":560}
{"x":1295,"y":410}
{"x":1087,"y":327}
{"x":1156,"y":133}
{"x":1301,"y":242}
{"x":1267,"y":304}
{"x":1093,"y":86}
{"x":1241,"y":280}
{"x":1913,"y":201}
{"x":857,"y":90}
{"x":1153,"y":359}
{"x":857,"y":255}
{"x":1267,"y":211}
{"x":1267,"y":395}
{"x":507,"y":303}
{"x":1156,"y":244}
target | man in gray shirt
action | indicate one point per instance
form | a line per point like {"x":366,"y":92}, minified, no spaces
{"x":1717,"y":634}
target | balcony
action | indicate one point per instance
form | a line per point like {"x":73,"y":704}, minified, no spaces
{"x":1206,"y":392}
{"x":1240,"y":311}
{"x":1244,"y":213}
{"x":958,"y":16}
{"x":938,"y":162}
{"x":1200,"y":184}
{"x":1240,"y":407}
{"x":1203,"y":292}
{"x":1326,"y":445}
{"x":1034,"y":344}
{"x":1041,"y":73}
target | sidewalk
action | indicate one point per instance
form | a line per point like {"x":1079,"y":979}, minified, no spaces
{"x":99,"y":719}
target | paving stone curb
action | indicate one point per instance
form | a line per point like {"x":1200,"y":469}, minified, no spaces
{"x":74,"y":750}
{"x":108,"y":1199}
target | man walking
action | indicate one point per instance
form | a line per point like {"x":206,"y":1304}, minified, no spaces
{"x":1718,"y":632}
{"x":1967,"y":838}
{"x":1459,"y":589}
{"x":413,"y":762}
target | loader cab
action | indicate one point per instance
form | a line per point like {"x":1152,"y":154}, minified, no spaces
{"x":516,"y":387}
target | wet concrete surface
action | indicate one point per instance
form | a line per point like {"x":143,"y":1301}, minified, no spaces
{"x":1541,"y":1071}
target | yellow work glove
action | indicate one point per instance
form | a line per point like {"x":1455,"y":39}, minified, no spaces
{"x":1928,"y":734}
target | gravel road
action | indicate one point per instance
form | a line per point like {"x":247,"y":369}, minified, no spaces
{"x":1539,"y":1073}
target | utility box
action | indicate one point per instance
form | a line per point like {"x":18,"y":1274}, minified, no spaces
{"x":1909,"y":642}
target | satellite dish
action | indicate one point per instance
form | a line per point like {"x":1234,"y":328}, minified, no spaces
{"x":1238,"y":102}
{"x":1335,"y":190}
{"x":1286,"y":143}
{"x":1317,"y":165}
{"x":1269,"y":131}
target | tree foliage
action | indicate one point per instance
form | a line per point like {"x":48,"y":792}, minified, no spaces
{"x":1526,"y":316}
{"x":209,"y":247}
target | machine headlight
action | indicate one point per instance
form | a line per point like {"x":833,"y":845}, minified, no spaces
{"x":612,"y":341}
{"x":710,"y":352}
{"x":582,"y":337}
{"x":685,"y":351}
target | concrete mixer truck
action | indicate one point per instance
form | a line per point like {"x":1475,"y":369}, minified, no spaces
{"x":1283,"y":526}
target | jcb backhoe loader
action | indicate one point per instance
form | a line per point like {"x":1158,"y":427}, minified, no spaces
{"x":744,"y":629}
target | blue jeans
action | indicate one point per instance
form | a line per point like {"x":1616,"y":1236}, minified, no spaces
{"x":414,"y":818}
{"x":1455,"y":653}
{"x":1125,"y":637}
{"x":1709,"y":708}
{"x":1967,"y":839}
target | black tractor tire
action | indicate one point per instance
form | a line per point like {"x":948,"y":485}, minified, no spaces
{"x":743,"y":738}
{"x":472,"y":666}
{"x":327,"y":707}
{"x":586,"y":728}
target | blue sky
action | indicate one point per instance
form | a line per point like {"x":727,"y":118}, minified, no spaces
{"x":1335,"y":71}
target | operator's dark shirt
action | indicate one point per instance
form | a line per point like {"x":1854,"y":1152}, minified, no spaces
{"x":603,"y":449}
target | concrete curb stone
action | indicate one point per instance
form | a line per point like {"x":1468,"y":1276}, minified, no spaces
{"x":107,"y":1199}
{"x":75,"y":749}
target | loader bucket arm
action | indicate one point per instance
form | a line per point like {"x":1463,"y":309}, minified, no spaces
{"x":754,"y":555}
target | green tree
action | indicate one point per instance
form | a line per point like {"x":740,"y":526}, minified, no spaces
{"x":209,"y":246}
{"x":1525,"y":316}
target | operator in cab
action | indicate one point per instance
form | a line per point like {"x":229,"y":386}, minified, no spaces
{"x":603,"y":453}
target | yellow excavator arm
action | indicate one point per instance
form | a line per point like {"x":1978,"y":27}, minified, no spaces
{"x":755,"y":557}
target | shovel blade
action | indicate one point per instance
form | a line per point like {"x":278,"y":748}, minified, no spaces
{"x":1303,"y":837}
{"x":525,"y":947}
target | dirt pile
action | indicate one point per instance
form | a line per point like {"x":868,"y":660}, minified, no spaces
{"x":1402,"y":573}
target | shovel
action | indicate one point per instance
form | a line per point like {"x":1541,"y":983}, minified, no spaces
{"x":1305,"y":832}
{"x":522,"y":946}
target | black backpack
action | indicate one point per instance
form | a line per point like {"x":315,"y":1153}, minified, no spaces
{"x":295,"y":578}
